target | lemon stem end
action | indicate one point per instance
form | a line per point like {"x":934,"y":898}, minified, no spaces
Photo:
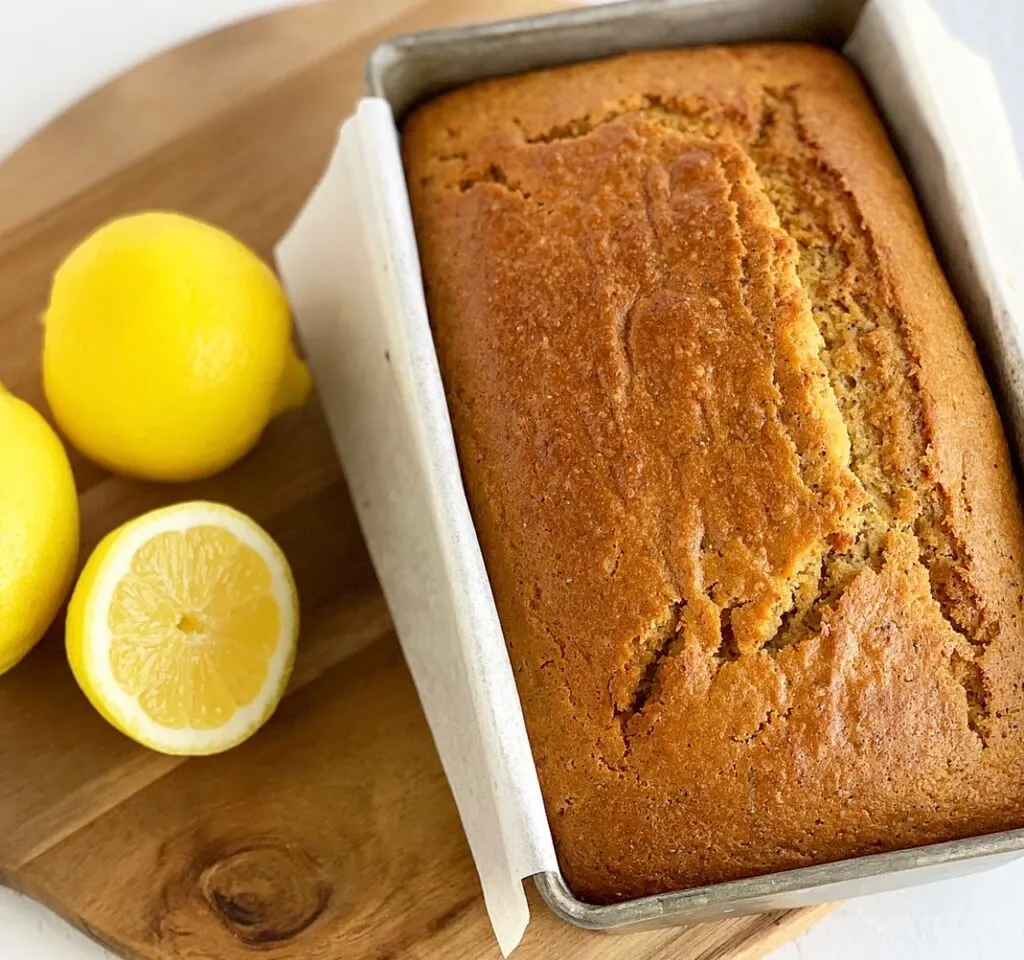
{"x":294,"y":388}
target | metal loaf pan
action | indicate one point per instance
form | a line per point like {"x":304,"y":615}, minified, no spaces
{"x":408,"y":69}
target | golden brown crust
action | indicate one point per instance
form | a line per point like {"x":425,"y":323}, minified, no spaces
{"x":743,"y":494}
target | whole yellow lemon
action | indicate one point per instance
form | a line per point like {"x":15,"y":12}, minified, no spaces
{"x":38,"y":528}
{"x":167,"y":348}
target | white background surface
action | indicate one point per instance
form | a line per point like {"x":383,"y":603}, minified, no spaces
{"x":53,"y":51}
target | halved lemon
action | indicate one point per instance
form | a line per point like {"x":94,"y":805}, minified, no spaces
{"x":182,"y":628}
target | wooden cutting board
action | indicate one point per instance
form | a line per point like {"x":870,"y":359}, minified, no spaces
{"x":331,"y":834}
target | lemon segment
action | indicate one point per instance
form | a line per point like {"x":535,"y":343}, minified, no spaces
{"x":182,"y":629}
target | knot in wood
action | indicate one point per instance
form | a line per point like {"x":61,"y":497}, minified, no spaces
{"x":266,"y":894}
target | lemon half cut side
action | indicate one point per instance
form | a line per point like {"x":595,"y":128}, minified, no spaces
{"x":183,"y":627}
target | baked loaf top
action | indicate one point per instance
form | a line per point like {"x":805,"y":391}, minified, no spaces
{"x":743,"y":494}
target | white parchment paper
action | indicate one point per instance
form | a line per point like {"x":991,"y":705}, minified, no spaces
{"x":352,"y":271}
{"x":351,"y":268}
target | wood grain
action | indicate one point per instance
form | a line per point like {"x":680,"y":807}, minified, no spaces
{"x":331,"y":833}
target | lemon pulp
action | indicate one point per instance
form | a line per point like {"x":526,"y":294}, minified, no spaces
{"x":182,"y":628}
{"x":193,"y":625}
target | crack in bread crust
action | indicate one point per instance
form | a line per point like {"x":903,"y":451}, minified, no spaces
{"x":862,"y":349}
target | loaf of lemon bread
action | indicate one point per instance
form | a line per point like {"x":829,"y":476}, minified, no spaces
{"x":743,"y":494}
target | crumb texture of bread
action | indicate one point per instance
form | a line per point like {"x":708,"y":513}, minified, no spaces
{"x":743,"y":494}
